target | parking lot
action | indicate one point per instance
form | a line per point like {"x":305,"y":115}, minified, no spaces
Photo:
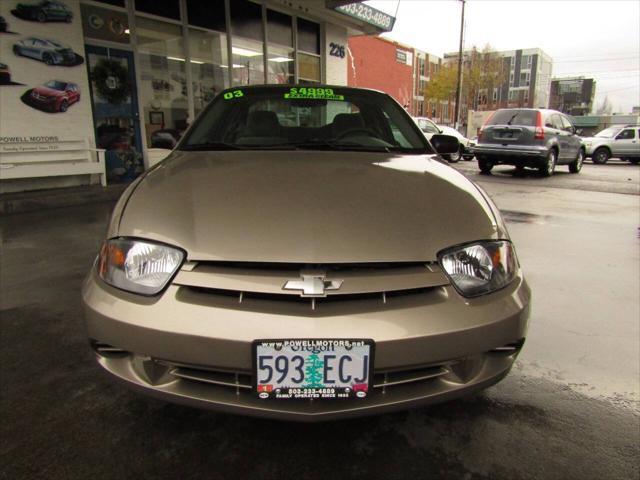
{"x":570,"y":409}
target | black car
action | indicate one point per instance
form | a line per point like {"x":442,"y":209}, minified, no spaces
{"x":44,"y":11}
{"x":529,"y":137}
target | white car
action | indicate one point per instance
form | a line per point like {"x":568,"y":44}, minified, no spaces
{"x":429,"y":128}
{"x":620,"y":141}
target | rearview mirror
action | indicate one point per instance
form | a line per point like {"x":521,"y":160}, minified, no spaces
{"x":445,"y":143}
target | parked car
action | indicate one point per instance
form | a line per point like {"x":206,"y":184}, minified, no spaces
{"x":5,"y":74}
{"x":3,"y":24}
{"x":260,"y":265}
{"x":529,"y":137}
{"x":621,"y":141}
{"x":55,"y":96}
{"x":51,"y":52}
{"x":429,"y":127}
{"x":44,"y":11}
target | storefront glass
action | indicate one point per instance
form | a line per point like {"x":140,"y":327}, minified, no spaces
{"x":209,"y":65}
{"x":247,"y":62}
{"x":308,"y":68}
{"x":163,"y":81}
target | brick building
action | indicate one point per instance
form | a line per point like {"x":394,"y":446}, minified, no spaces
{"x":383,"y":65}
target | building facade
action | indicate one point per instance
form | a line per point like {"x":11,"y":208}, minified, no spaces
{"x":127,"y":76}
{"x":573,"y":96}
{"x":384,"y":65}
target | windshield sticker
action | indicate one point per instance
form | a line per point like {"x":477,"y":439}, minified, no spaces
{"x":313,"y":93}
{"x":233,"y":94}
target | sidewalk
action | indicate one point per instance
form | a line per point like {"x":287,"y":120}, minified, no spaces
{"x":60,"y":197}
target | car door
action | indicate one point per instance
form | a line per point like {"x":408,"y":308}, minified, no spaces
{"x":31,"y":48}
{"x":625,"y":143}
{"x":573,"y":140}
{"x":553,"y":128}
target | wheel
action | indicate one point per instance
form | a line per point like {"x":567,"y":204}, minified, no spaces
{"x":634,"y":161}
{"x":453,"y":157}
{"x":47,"y":58}
{"x":64,"y":106}
{"x":16,"y":50}
{"x":42,"y":17}
{"x":549,"y":165}
{"x":485,"y":165}
{"x":468,"y":158}
{"x":576,"y":165}
{"x":601,"y":156}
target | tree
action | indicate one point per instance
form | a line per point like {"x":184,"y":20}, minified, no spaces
{"x":482,"y":71}
{"x":605,"y":107}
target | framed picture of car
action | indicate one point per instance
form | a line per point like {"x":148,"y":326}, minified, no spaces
{"x":156,"y":118}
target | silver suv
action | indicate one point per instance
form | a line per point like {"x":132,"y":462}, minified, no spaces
{"x":529,"y":137}
{"x":620,"y":141}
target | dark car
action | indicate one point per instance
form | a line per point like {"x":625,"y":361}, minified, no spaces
{"x":51,"y":52}
{"x":3,"y":25}
{"x":55,"y":96}
{"x":5,"y":74}
{"x":44,"y":11}
{"x":528,"y":137}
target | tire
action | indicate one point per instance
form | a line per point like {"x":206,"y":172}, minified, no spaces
{"x":468,"y":158}
{"x":454,"y":157}
{"x":47,"y":58}
{"x":64,"y":106}
{"x":576,"y":165}
{"x":42,"y":17}
{"x":485,"y":166}
{"x":601,"y":156}
{"x":549,"y":165}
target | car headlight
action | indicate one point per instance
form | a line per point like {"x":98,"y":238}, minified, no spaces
{"x":138,"y":266}
{"x":480,"y":268}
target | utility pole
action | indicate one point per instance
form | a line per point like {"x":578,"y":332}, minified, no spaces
{"x":458,"y":88}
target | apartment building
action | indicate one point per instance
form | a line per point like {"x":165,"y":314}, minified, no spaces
{"x":573,"y":95}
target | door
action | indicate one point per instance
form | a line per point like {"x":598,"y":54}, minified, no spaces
{"x":573,"y":141}
{"x":114,"y":101}
{"x":625,"y":143}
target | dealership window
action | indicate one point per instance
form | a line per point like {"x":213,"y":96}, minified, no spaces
{"x":105,"y":24}
{"x":308,"y":51}
{"x":209,"y":65}
{"x":163,"y":82}
{"x":165,"y":8}
{"x":246,"y":19}
{"x":247,"y":61}
{"x":209,"y":14}
{"x":280,"y":60}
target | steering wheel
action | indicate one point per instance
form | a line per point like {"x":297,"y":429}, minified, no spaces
{"x":356,"y":131}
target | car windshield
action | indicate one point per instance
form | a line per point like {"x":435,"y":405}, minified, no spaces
{"x":306,"y":118}
{"x":526,"y":118}
{"x":608,"y":132}
{"x":56,"y":85}
{"x":427,"y":126}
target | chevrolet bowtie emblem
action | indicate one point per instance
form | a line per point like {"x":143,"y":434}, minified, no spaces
{"x":313,"y":284}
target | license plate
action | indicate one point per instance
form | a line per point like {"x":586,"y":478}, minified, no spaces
{"x":312,"y":369}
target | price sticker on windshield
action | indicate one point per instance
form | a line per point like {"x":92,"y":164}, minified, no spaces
{"x":313,"y":93}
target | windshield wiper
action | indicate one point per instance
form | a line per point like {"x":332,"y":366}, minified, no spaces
{"x":329,"y":145}
{"x":210,"y":146}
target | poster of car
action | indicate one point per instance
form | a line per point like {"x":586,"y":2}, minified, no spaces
{"x":42,"y":70}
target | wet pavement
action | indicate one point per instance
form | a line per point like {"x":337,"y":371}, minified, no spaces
{"x":569,"y":409}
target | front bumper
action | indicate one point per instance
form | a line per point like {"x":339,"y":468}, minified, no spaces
{"x":152,"y":342}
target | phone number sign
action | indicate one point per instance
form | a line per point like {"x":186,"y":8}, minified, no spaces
{"x":368,"y":14}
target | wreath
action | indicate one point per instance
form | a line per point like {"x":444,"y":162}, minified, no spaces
{"x":111,"y":80}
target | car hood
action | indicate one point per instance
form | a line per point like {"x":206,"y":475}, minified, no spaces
{"x":306,"y":207}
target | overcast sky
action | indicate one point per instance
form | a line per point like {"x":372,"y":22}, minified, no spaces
{"x":596,"y":38}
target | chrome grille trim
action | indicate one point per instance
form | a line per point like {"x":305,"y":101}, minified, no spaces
{"x":232,"y":380}
{"x":390,"y":379}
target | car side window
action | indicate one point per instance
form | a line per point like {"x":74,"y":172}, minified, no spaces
{"x":566,"y":124}
{"x":627,"y":134}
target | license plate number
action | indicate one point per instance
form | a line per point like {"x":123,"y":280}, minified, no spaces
{"x":312,"y":369}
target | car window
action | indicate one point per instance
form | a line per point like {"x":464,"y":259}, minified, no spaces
{"x":556,"y":121}
{"x":305,"y":118}
{"x":607,"y":132}
{"x":525,"y":118}
{"x":427,"y":126}
{"x":626,"y":134}
{"x":566,"y":124}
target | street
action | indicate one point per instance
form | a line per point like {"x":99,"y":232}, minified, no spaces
{"x":570,"y":409}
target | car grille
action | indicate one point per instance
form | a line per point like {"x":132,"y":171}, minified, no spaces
{"x":250,"y":285}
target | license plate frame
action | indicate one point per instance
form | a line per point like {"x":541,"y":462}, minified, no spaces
{"x":307,"y":346}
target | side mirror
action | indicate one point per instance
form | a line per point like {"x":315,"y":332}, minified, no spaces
{"x":578,"y":131}
{"x":444,"y":144}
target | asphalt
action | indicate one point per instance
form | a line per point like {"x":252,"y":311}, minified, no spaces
{"x":570,"y":409}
